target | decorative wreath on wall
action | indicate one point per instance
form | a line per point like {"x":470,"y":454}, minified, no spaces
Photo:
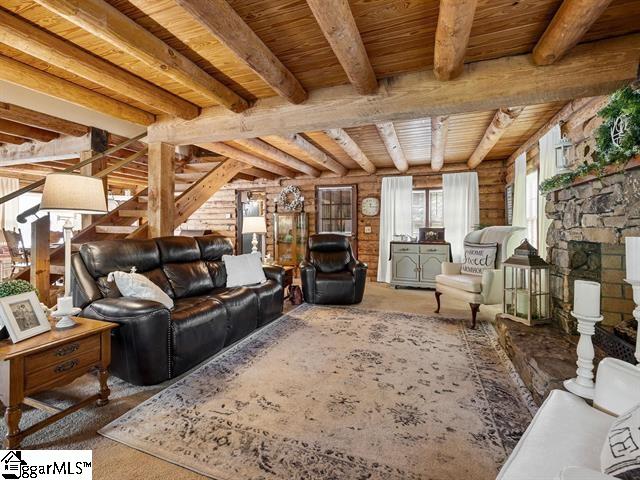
{"x":290,"y":199}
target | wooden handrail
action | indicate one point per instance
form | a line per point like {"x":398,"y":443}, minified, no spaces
{"x":97,"y":156}
{"x":22,"y":217}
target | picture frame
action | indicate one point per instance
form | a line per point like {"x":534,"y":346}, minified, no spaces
{"x":23,"y":316}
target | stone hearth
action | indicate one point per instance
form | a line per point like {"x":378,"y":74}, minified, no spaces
{"x":586,"y":241}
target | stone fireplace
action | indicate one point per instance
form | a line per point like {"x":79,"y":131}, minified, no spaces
{"x":586,"y":241}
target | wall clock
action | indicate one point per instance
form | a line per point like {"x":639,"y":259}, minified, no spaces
{"x":370,"y":206}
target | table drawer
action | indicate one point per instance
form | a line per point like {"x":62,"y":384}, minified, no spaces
{"x":69,"y":367}
{"x":435,"y":249}
{"x":402,"y":248}
{"x":59,"y":354}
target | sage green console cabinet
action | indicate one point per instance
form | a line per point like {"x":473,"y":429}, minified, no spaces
{"x":416,"y":265}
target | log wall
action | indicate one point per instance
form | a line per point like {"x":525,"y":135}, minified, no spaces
{"x":219,"y":213}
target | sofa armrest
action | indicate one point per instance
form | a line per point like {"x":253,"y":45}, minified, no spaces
{"x":451,"y":268}
{"x":357,"y":266}
{"x":308,"y":278}
{"x":141,"y":343}
{"x":580,"y":473}
{"x":617,"y":386}
{"x":492,"y":286}
{"x":273,"y":272}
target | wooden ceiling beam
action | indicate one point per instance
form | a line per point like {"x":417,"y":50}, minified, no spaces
{"x":25,"y":131}
{"x":41,"y":120}
{"x":352,"y":149}
{"x":263,"y":148}
{"x":388,"y":134}
{"x":252,"y":160}
{"x":109,"y":24}
{"x":259,"y":173}
{"x":572,"y":20}
{"x":601,"y":66}
{"x":439,"y":135}
{"x":501,"y":121}
{"x":298,"y":141}
{"x":29,"y":77}
{"x":339,"y":27}
{"x":12,"y":139}
{"x":222,"y":21}
{"x":36,"y":42}
{"x":452,"y":37}
{"x":63,"y":148}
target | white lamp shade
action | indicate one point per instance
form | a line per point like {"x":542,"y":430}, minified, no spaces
{"x":254,"y":225}
{"x":68,"y":192}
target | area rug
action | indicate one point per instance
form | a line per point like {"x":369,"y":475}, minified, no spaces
{"x":339,"y":393}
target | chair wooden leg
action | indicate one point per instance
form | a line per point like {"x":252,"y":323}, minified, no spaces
{"x":438,"y":301}
{"x":475,"y":308}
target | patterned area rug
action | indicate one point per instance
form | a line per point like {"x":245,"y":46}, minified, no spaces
{"x":340,"y":392}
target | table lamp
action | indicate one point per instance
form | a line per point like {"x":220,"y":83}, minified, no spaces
{"x":71,"y":193}
{"x":254,"y":225}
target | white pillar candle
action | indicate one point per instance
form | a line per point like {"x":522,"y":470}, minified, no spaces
{"x":586,"y":298}
{"x":65,"y":304}
{"x":633,"y":258}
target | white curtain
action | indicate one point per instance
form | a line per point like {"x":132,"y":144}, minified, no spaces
{"x":461,"y":209}
{"x":395,"y":218}
{"x":547,"y":170}
{"x":520,"y":199}
{"x":9,"y":210}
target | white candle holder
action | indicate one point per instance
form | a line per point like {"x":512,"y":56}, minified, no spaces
{"x":635,"y":284}
{"x":583,"y":385}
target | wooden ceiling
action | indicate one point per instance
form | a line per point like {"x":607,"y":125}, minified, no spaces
{"x":293,"y":37}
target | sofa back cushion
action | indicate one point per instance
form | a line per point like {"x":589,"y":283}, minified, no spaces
{"x":183,"y":266}
{"x":212,"y":249}
{"x":218,"y":273}
{"x":102,"y":258}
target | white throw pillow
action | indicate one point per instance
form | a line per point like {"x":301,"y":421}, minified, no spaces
{"x":244,"y":269}
{"x":620,"y":455}
{"x":479,"y":257}
{"x":135,"y":285}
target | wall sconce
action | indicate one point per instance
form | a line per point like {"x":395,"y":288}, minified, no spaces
{"x":562,"y":155}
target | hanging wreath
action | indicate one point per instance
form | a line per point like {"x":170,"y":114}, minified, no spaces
{"x":290,"y":199}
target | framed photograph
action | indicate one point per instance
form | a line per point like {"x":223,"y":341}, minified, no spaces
{"x":23,"y":316}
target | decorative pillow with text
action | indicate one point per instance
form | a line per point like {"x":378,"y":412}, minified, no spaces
{"x":479,"y":257}
{"x":620,"y":455}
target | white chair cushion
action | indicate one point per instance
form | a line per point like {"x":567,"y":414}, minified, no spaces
{"x":467,"y":283}
{"x":566,"y":431}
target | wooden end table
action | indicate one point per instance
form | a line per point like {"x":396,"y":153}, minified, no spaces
{"x":48,"y":361}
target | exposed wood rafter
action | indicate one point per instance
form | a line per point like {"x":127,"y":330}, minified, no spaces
{"x":387,"y":132}
{"x":219,"y":18}
{"x":502,"y":120}
{"x":352,"y":149}
{"x":41,"y":120}
{"x":51,"y":49}
{"x":339,"y":27}
{"x":4,"y":138}
{"x":229,"y":151}
{"x":263,"y":148}
{"x":572,"y":20}
{"x":25,"y":131}
{"x":601,"y":66}
{"x":106,"y":22}
{"x":298,"y":141}
{"x":452,"y":36}
{"x":439,"y":134}
{"x":62,"y":148}
{"x":29,"y":77}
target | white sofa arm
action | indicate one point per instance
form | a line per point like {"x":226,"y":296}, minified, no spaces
{"x":617,"y":386}
{"x":492,"y":286}
{"x":451,"y":268}
{"x":580,"y":473}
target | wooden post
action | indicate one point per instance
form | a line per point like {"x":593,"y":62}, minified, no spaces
{"x":161,"y":191}
{"x":99,"y":143}
{"x":40,"y":261}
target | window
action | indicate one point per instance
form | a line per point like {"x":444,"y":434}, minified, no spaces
{"x":531,"y":194}
{"x":426,"y":210}
{"x":336,"y":209}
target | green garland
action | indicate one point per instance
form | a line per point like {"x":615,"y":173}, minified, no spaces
{"x":623,"y":102}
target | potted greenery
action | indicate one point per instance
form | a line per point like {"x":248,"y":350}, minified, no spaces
{"x":13,"y":287}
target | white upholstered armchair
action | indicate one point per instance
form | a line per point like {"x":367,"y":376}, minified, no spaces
{"x":475,"y":289}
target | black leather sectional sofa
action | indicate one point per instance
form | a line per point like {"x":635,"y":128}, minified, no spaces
{"x":152,"y":343}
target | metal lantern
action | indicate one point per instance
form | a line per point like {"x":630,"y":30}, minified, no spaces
{"x":562,"y":154}
{"x":526,"y":298}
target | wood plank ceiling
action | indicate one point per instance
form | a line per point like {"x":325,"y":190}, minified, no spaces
{"x":209,"y":64}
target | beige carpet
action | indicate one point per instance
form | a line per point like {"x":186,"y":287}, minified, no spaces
{"x":115,"y":461}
